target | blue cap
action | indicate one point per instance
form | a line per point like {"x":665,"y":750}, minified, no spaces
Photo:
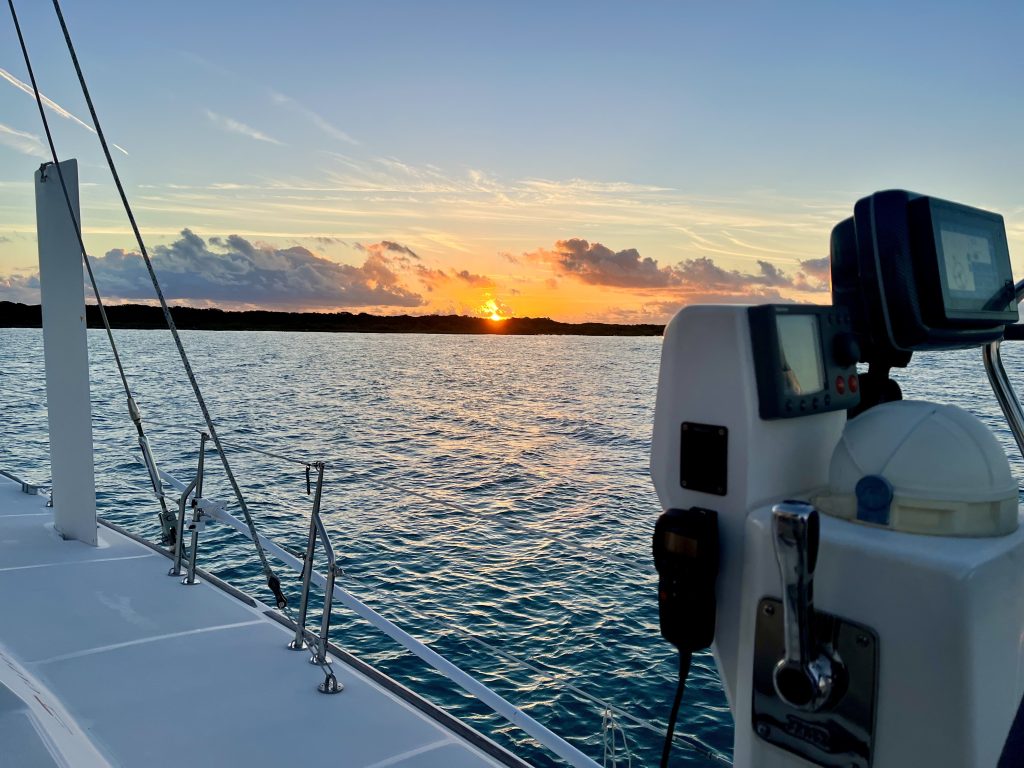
{"x":874,"y":498}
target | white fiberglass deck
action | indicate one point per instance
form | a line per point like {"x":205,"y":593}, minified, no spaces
{"x":101,"y":646}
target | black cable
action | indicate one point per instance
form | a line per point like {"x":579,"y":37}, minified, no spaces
{"x":132,"y":407}
{"x":273,"y":582}
{"x":684,"y":671}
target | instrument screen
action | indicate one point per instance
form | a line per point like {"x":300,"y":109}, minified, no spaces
{"x":974,"y":280}
{"x":800,"y":353}
{"x":803,"y":361}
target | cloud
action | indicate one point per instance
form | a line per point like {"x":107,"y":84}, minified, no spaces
{"x":241,"y":272}
{"x":432,"y":278}
{"x":26,"y":143}
{"x":24,"y":289}
{"x":388,"y":246}
{"x":691,"y":279}
{"x":234,"y":126}
{"x":478,"y":281}
{"x":597,"y":264}
{"x":704,"y":274}
{"x":815,"y":274}
{"x":50,"y":103}
{"x":318,"y":120}
{"x":325,"y":240}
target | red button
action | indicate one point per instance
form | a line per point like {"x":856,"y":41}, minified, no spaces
{"x":853,"y":383}
{"x":840,"y":385}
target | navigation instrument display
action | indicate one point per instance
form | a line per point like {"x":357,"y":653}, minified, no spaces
{"x":919,"y":273}
{"x":800,"y":353}
{"x":804,"y":360}
{"x":972,"y":278}
{"x":968,"y":260}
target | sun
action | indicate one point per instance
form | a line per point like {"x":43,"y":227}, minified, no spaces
{"x":490,"y":309}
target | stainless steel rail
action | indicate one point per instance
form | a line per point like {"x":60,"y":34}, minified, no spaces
{"x":26,"y":487}
{"x":570,"y":754}
{"x":197,"y":515}
{"x":319,"y":641}
{"x":1001,"y":386}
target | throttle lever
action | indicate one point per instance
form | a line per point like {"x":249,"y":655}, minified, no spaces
{"x":805,"y":678}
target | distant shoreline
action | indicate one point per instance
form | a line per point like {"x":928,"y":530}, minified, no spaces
{"x":143,"y":317}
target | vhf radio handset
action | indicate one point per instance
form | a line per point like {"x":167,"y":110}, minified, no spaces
{"x":686,"y":558}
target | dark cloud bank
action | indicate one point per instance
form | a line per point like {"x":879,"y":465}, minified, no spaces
{"x":236,"y":271}
{"x":597,"y":264}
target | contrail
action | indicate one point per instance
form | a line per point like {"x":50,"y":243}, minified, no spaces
{"x":26,"y":88}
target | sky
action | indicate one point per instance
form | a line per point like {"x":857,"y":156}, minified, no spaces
{"x":607,"y":161}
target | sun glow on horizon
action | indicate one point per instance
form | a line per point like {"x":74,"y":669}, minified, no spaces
{"x":492,"y":310}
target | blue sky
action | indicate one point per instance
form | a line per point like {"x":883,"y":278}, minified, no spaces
{"x":490,"y":139}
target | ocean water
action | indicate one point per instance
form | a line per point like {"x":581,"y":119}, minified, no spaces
{"x":486,"y":487}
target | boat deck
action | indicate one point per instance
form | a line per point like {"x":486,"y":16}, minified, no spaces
{"x":118,"y":663}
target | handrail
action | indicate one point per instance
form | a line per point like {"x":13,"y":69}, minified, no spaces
{"x":26,"y":487}
{"x":197,"y":513}
{"x":332,"y":572}
{"x":317,"y":530}
{"x":564,"y":539}
{"x":1009,"y":404}
{"x":463,"y":679}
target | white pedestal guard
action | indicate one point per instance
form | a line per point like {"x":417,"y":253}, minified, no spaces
{"x":707,"y":376}
{"x":948,"y":612}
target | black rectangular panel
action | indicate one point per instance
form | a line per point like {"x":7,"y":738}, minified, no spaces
{"x":703,"y":458}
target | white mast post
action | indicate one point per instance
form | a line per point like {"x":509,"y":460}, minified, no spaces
{"x":66,"y":352}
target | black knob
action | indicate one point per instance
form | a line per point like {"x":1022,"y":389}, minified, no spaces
{"x":846,"y":349}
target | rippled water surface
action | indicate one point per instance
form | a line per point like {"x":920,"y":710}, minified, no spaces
{"x":525,"y":446}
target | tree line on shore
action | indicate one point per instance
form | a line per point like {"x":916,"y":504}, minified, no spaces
{"x":140,"y":316}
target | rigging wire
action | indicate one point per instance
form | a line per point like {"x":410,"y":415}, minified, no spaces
{"x":133,"y":409}
{"x":273,"y":582}
{"x":378,"y":587}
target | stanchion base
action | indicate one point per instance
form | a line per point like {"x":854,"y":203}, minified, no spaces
{"x":330,"y":685}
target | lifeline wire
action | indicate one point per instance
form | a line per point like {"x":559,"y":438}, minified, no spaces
{"x":132,"y":407}
{"x":535,"y":666}
{"x":563,"y":539}
{"x":220,"y":514}
{"x":273,"y":582}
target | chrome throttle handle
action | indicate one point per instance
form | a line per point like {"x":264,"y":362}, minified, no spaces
{"x":804,"y":678}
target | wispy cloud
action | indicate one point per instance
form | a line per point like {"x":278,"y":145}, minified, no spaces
{"x":317,"y":119}
{"x":234,"y":126}
{"x":50,"y":103}
{"x":26,"y":143}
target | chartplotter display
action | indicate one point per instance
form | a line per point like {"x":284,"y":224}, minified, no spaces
{"x":919,"y":273}
{"x":967,"y":257}
{"x":974,"y":274}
